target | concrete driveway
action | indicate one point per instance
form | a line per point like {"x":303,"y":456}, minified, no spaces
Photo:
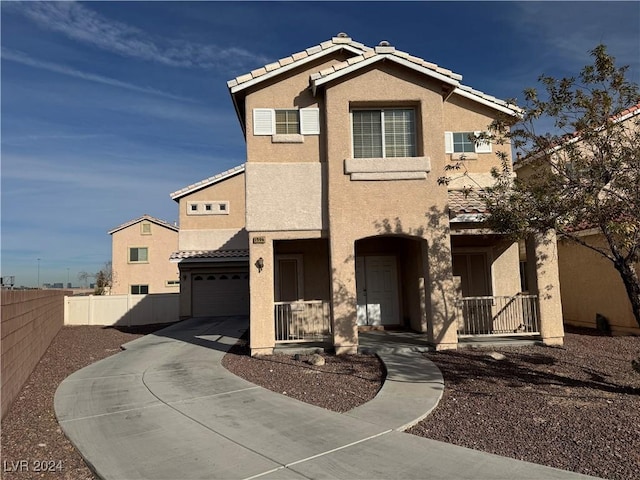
{"x":165,"y":408}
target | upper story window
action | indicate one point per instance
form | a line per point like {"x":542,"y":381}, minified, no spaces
{"x":384,"y":133}
{"x":465,"y":142}
{"x":138,"y":255}
{"x":279,"y":122}
{"x":287,"y":122}
{"x":212,"y":207}
{"x":145,"y":228}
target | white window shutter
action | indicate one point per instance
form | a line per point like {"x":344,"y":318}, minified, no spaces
{"x":309,"y":121}
{"x":484,"y":147}
{"x":448,"y":142}
{"x":263,"y":121}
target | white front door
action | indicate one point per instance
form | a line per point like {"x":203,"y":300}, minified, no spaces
{"x":377,"y":290}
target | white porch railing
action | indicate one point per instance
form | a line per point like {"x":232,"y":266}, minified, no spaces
{"x":302,"y":321}
{"x":500,"y":316}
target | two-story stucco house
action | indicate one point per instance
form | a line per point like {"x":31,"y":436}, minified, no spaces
{"x":140,"y":251}
{"x":344,"y":224}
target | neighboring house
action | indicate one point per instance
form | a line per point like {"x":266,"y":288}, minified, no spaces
{"x":590,"y":286}
{"x":140,"y":257}
{"x":338,"y":218}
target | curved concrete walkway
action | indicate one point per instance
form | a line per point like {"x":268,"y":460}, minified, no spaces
{"x":165,"y":408}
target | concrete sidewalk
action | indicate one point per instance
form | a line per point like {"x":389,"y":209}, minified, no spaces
{"x":165,"y":408}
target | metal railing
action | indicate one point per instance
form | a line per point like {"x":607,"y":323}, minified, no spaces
{"x":500,"y":316}
{"x":302,"y":321}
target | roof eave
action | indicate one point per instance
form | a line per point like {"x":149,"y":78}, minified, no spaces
{"x":178,"y":194}
{"x":295,"y":64}
{"x":509,"y":110}
{"x":316,"y":82}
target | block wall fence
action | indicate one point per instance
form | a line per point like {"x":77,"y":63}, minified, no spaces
{"x":30,"y":321}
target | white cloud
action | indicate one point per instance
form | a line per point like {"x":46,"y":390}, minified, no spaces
{"x":82,"y":24}
{"x":569,"y":30}
{"x":24,"y":59}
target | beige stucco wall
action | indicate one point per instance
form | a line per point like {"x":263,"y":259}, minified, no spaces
{"x":542,"y":262}
{"x":213,"y":239}
{"x":231,"y":190}
{"x":359,"y":209}
{"x":590,"y":285}
{"x":30,"y":321}
{"x":262,"y":287}
{"x":157,"y":271}
{"x":284,"y":196}
{"x":505,"y":269}
{"x":288,"y":91}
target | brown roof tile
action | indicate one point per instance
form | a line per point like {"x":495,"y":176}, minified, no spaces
{"x":231,"y":254}
{"x":465,"y":202}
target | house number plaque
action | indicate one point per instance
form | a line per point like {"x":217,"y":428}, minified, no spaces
{"x":258,"y":240}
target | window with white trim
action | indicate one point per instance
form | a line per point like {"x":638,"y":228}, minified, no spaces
{"x":465,"y":142}
{"x":145,"y":228}
{"x":138,"y":255}
{"x":384,"y":133}
{"x":272,"y":121}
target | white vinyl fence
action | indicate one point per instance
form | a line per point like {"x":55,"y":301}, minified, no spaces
{"x":124,"y":310}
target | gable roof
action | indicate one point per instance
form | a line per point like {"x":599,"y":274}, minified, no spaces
{"x":232,"y":172}
{"x":363,"y":57}
{"x":342,"y":41}
{"x":147,"y":218}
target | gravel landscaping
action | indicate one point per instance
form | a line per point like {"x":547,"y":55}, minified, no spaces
{"x":575,"y":407}
{"x":31,"y":437}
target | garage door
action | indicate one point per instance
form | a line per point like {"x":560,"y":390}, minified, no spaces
{"x":220,"y":293}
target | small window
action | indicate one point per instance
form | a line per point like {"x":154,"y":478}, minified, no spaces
{"x":197,"y":278}
{"x":138,"y":255}
{"x":208,"y":207}
{"x":222,"y":207}
{"x":173,"y":283}
{"x":465,"y":142}
{"x":269,"y":121}
{"x":211,"y":277}
{"x":384,"y":133}
{"x":139,"y":289}
{"x":287,"y":122}
{"x":193,"y":207}
{"x":145,"y":228}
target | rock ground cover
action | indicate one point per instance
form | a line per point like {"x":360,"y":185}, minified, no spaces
{"x":575,"y":407}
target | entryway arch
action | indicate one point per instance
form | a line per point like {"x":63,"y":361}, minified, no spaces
{"x":390,"y":281}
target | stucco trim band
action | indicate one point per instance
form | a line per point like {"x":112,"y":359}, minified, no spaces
{"x":399,"y":168}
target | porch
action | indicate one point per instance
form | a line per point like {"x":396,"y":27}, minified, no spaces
{"x":482,"y":321}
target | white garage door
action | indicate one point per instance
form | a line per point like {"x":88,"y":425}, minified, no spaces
{"x":220,"y":293}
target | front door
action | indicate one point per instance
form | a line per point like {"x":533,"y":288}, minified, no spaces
{"x":377,"y":290}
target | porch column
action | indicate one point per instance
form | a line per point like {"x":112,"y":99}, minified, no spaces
{"x":261,"y":293}
{"x":544,"y":249}
{"x":343,"y":296}
{"x":442,"y":293}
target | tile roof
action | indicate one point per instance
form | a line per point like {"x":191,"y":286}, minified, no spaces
{"x":340,"y":41}
{"x":204,"y":254}
{"x":364,"y":56}
{"x":149,"y":218}
{"x":207,"y":182}
{"x":384,"y":49}
{"x":461,"y":202}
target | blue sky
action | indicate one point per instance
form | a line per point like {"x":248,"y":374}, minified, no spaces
{"x":108,"y":107}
